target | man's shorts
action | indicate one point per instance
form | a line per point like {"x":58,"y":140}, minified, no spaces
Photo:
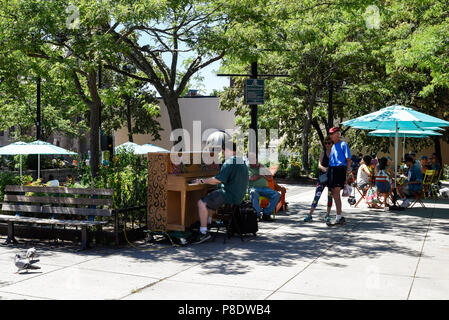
{"x":213,"y":200}
{"x":337,"y":176}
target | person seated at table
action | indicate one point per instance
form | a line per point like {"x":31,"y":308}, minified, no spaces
{"x":258,"y":186}
{"x":435,"y":163}
{"x":413,"y":183}
{"x":52,"y":182}
{"x":415,"y":161}
{"x":424,"y":164}
{"x":364,"y":173}
{"x":383,"y":167}
{"x":69,"y":180}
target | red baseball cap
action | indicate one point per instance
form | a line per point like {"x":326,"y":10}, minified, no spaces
{"x":334,"y":129}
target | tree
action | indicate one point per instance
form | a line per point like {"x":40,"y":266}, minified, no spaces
{"x":60,"y":109}
{"x":44,"y":30}
{"x":154,"y":42}
{"x":130,"y":101}
{"x":315,"y":43}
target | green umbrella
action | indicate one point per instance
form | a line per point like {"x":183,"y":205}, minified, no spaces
{"x":405,"y":134}
{"x":396,"y":118}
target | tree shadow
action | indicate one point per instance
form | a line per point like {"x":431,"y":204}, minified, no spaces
{"x":286,"y":242}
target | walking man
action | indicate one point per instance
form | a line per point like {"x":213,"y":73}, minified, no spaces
{"x":339,"y":168}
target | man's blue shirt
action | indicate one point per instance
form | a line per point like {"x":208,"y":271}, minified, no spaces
{"x":339,"y":153}
{"x":414,"y":174}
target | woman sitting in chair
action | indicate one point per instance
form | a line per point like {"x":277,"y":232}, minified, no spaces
{"x":364,"y":174}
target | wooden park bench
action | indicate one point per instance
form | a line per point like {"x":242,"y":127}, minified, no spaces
{"x":58,"y":206}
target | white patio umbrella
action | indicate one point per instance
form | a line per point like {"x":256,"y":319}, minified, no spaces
{"x":37,"y":147}
{"x":12,"y":150}
{"x":129,"y":147}
{"x":150,"y":148}
{"x":41,"y":147}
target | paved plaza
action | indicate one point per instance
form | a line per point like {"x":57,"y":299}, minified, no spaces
{"x":376,"y":255}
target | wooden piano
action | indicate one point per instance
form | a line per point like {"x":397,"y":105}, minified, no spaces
{"x":172,"y":198}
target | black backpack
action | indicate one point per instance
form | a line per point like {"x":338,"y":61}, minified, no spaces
{"x":245,"y":219}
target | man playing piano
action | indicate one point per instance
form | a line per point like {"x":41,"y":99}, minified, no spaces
{"x":232,"y":182}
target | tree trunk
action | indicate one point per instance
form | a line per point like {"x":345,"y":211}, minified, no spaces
{"x":128,"y":120}
{"x":436,"y":141}
{"x":94,"y":123}
{"x":306,"y":131}
{"x":305,"y":144}
{"x":172,"y":105}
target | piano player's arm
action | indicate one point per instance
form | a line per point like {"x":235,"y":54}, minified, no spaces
{"x":211,"y":181}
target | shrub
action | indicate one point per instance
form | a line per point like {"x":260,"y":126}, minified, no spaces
{"x":127,"y":174}
{"x":11,"y":178}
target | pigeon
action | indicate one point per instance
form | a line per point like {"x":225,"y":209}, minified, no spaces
{"x":22,"y":264}
{"x":31,"y":253}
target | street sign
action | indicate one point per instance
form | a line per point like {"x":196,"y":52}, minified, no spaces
{"x":254,"y":91}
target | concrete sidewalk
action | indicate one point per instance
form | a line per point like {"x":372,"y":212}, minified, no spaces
{"x":376,"y":255}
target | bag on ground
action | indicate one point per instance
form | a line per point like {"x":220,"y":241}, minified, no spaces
{"x":245,"y":219}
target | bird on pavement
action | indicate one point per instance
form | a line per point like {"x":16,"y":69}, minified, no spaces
{"x":23,"y":264}
{"x":31,"y":253}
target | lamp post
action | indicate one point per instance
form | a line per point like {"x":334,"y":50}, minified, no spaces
{"x":38,"y":109}
{"x":253,"y":107}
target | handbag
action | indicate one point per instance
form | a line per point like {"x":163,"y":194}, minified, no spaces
{"x":323,"y":178}
{"x":347,"y":191}
{"x":351,"y":200}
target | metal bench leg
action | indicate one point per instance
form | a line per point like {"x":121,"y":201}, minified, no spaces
{"x":11,"y":233}
{"x":84,"y":238}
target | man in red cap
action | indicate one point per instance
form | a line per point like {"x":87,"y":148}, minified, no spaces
{"x":339,"y":168}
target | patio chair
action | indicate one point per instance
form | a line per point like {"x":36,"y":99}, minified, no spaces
{"x":435,"y":185}
{"x":264,"y":201}
{"x":427,"y":180}
{"x":361,"y":192}
{"x":386,"y":195}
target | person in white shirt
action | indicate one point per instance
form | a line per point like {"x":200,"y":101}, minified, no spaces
{"x":364,"y":174}
{"x":52,"y":182}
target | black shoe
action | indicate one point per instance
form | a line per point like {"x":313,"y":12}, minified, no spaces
{"x":202,"y":237}
{"x":267,"y":218}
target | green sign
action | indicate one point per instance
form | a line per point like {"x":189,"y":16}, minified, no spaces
{"x":254,"y":91}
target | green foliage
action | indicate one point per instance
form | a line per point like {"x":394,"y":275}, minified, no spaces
{"x":10,"y":178}
{"x":445,"y":175}
{"x":126,"y":174}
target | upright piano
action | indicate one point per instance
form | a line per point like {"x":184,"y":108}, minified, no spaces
{"x":172,"y":197}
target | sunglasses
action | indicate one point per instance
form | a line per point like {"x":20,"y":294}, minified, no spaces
{"x":328,"y":143}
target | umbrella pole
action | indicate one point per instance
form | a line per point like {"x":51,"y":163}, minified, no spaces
{"x":403,"y":148}
{"x":38,"y":166}
{"x":396,"y":140}
{"x":20,"y":159}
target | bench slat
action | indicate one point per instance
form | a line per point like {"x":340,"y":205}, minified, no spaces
{"x":56,"y":210}
{"x":51,"y":221}
{"x":59,"y":200}
{"x":88,"y":191}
